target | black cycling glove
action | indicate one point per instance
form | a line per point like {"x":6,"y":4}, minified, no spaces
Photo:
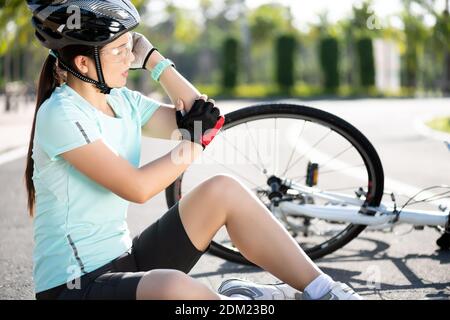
{"x":202,"y":117}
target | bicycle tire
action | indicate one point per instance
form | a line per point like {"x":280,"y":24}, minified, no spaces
{"x":354,"y":136}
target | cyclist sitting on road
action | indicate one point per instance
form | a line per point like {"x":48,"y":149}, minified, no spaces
{"x":83,"y":171}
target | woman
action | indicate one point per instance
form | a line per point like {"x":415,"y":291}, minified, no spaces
{"x":83,"y":170}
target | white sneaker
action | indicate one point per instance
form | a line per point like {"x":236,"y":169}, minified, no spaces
{"x":339,"y":291}
{"x":278,"y":291}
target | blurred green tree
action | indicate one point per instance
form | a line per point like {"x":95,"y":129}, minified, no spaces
{"x":230,"y":63}
{"x":440,"y":35}
{"x":415,"y":33}
{"x":328,"y":52}
{"x":329,"y":61}
{"x":266,"y":22}
{"x":285,"y":53}
{"x":366,"y":62}
{"x":366,"y":29}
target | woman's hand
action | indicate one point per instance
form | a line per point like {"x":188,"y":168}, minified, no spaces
{"x":142,"y":49}
{"x":202,"y":123}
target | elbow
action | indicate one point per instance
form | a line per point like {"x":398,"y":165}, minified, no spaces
{"x":144,"y":197}
{"x":138,"y":195}
{"x":141,"y":193}
{"x":141,"y":198}
{"x":132,"y":196}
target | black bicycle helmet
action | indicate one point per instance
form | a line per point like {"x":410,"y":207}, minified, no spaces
{"x":95,"y":23}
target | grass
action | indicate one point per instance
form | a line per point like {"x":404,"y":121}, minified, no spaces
{"x":441,"y":124}
{"x":300,"y":90}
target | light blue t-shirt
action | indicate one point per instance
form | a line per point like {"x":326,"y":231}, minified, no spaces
{"x":79,"y":225}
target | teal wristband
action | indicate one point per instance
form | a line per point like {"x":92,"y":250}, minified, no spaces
{"x":160,"y":67}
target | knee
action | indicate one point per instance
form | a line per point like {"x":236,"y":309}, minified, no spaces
{"x":174,"y":282}
{"x":222,"y":185}
{"x":161,"y":284}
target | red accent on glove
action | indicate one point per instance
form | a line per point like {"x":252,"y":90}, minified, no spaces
{"x":210,"y":134}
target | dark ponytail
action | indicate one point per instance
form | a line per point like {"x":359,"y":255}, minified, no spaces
{"x":51,"y":77}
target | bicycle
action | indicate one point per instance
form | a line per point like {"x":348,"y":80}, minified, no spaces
{"x":323,"y":210}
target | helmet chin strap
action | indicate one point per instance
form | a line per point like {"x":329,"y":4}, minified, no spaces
{"x":101,"y":84}
{"x":98,"y":65}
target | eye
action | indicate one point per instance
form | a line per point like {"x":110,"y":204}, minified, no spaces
{"x":115,"y":51}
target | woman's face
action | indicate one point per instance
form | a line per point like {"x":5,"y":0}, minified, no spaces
{"x":116,"y":58}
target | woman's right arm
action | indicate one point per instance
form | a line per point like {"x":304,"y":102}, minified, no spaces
{"x":101,"y":164}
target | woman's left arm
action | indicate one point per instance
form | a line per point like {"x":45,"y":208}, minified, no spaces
{"x":163,"y":124}
{"x":175,"y":85}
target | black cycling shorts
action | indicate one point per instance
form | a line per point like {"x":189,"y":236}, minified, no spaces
{"x":163,"y":245}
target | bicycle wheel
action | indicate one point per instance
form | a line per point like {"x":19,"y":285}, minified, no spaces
{"x":292,"y":142}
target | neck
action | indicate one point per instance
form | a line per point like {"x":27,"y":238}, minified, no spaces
{"x":89,"y":92}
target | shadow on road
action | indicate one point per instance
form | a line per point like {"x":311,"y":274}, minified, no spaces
{"x":379,"y":253}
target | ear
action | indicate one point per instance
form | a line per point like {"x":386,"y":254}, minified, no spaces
{"x":82,"y":63}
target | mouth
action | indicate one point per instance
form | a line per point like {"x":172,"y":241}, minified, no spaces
{"x":125,"y":74}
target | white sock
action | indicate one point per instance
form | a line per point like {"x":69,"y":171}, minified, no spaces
{"x":319,"y":286}
{"x":237,"y":296}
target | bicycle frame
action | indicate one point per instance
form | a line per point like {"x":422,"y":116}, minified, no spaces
{"x":348,"y":210}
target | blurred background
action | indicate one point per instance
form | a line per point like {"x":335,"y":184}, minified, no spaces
{"x":260,"y":49}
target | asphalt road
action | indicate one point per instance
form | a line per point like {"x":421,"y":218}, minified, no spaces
{"x":404,"y":264}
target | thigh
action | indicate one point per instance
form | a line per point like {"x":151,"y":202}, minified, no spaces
{"x":116,"y":280}
{"x":108,"y":286}
{"x":165,"y":245}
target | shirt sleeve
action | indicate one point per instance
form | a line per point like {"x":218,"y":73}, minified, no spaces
{"x":144,"y":105}
{"x":63,"y":127}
